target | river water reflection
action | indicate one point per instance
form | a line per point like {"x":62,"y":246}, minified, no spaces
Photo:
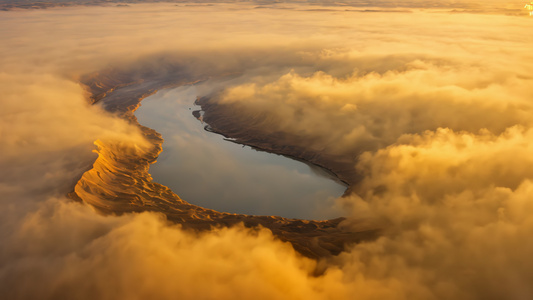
{"x":204,"y":169}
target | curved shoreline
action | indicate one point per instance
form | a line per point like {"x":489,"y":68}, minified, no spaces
{"x":119,"y":181}
{"x":281,"y":143}
{"x":322,"y":169}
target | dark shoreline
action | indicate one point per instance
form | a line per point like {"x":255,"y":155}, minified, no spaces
{"x":324,"y":171}
{"x":254,"y":132}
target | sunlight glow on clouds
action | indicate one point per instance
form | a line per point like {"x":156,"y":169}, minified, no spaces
{"x":433,"y":109}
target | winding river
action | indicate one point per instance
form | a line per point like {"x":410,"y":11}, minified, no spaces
{"x":206,"y":170}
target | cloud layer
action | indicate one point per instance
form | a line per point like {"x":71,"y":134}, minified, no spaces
{"x":436,"y":118}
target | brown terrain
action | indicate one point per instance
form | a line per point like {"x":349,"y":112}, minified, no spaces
{"x":250,"y":130}
{"x":119,"y":181}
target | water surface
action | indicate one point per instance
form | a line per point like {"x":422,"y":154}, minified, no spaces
{"x":205,"y":170}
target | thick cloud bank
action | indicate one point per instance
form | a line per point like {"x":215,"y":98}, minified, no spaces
{"x":432,"y":107}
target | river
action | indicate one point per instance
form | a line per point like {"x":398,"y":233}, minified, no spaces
{"x":206,"y":170}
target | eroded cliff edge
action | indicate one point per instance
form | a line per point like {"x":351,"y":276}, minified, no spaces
{"x":119,"y":181}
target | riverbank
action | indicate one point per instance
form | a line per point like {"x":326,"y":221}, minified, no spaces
{"x":223,"y":120}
